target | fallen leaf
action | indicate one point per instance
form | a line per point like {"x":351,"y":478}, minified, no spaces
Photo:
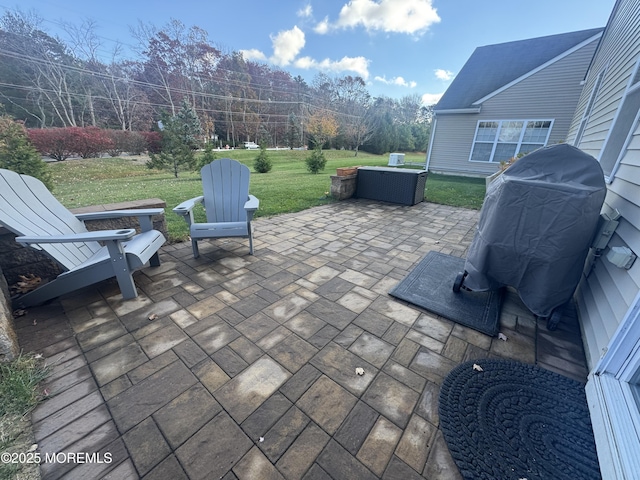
{"x":35,"y":322}
{"x":19,"y":313}
{"x":153,"y":317}
{"x":26,"y":284}
{"x":359,"y":371}
{"x":502,"y":336}
{"x":261,"y":439}
{"x":33,"y":447}
{"x":477,"y":367}
{"x":37,"y":356}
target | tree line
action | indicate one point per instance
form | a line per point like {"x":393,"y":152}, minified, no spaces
{"x":46,"y":81}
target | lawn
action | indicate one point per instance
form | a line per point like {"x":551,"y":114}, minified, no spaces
{"x":288,"y":187}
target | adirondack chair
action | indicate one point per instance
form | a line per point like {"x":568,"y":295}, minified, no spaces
{"x":228,"y":205}
{"x":29,"y":210}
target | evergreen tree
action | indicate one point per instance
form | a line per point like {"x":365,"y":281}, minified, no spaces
{"x":207,"y":157}
{"x":180,"y":137}
{"x":189,"y":125}
{"x":262,"y":163}
{"x":18,"y":154}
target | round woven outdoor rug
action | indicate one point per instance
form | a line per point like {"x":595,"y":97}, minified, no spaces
{"x":506,"y":420}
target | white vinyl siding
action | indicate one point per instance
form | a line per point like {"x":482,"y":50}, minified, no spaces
{"x":622,"y":128}
{"x":607,"y":292}
{"x":501,"y":140}
{"x":589,"y":108}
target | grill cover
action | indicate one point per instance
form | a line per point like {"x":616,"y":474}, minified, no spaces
{"x":536,"y":226}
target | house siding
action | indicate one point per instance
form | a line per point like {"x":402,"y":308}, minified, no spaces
{"x":550,"y":94}
{"x":606,"y":293}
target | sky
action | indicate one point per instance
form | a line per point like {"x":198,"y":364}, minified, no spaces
{"x":399,"y":47}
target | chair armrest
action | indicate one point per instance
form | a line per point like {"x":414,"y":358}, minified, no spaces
{"x":144,"y":216}
{"x":252,"y":204}
{"x":140,"y":212}
{"x":104,"y":235}
{"x":185,"y":207}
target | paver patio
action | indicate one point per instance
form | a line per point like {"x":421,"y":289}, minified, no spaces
{"x":248,"y":370}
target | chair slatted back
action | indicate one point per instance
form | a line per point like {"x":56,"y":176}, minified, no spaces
{"x":225,"y":184}
{"x":27,"y":207}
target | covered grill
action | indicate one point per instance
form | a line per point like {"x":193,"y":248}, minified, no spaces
{"x":536,"y":226}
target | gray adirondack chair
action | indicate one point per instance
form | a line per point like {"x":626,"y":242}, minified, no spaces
{"x":228,"y":205}
{"x":29,"y":210}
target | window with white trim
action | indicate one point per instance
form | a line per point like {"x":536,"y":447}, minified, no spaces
{"x":624,"y":124}
{"x":500,"y":140}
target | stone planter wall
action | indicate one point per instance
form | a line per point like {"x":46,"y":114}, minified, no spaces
{"x":8,"y":339}
{"x":343,"y":186}
{"x":344,"y":182}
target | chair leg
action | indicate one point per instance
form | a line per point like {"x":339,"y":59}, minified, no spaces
{"x":127,"y":285}
{"x":250,"y":239}
{"x":154,"y":261}
{"x":194,"y":246}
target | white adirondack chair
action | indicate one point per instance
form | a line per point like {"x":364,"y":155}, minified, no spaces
{"x":228,"y":205}
{"x":28,"y":209}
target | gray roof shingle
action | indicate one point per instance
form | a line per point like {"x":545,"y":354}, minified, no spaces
{"x":493,"y":66}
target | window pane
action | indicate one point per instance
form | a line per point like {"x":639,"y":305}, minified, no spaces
{"x":487,"y":131}
{"x":537,"y":131}
{"x":510,"y":132}
{"x":482,"y":152}
{"x":504,"y":151}
{"x":529,"y":147}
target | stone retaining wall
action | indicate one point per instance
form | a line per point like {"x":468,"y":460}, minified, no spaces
{"x":8,"y":338}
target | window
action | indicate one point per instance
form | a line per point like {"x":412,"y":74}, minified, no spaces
{"x":500,"y":140}
{"x":624,"y":124}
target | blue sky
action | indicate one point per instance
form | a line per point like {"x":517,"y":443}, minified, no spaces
{"x":399,"y":47}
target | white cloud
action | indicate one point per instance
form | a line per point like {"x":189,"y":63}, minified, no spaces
{"x":444,"y":74}
{"x":358,"y":65}
{"x":399,"y":16}
{"x":287,"y":45}
{"x":400,"y":81}
{"x":322,"y":27}
{"x":431,"y":98}
{"x":306,"y":11}
{"x":253,"y":54}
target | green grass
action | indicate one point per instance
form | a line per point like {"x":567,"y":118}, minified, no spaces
{"x":288,"y":187}
{"x":19,"y":393}
{"x":19,"y":381}
{"x":465,"y":192}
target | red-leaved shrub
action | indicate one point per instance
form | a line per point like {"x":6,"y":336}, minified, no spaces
{"x":89,"y":142}
{"x":52,"y":142}
{"x":154,"y":141}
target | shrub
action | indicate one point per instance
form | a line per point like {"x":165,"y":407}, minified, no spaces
{"x":18,"y":154}
{"x":153,"y":141}
{"x":89,"y":142}
{"x":118,"y":142}
{"x":136,"y":143}
{"x":207,"y":157}
{"x":52,"y":142}
{"x":316,"y":161}
{"x":262,"y":163}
